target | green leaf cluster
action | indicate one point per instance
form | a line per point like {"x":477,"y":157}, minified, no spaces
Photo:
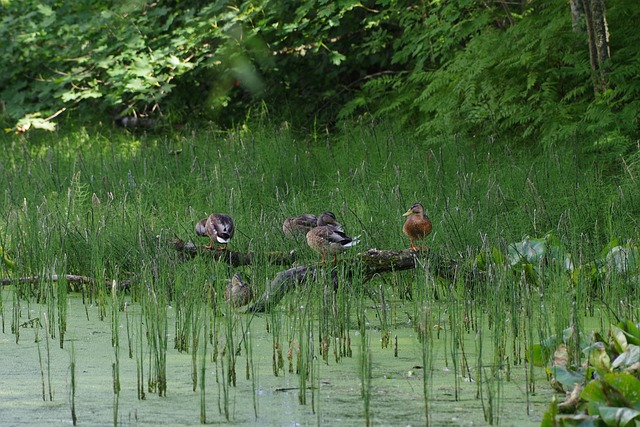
{"x":522,"y":76}
{"x":500,"y":71}
{"x":606,"y":386}
{"x":121,"y":58}
{"x":533,"y":256}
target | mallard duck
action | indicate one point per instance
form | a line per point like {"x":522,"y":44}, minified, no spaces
{"x":329,"y":218}
{"x":237,"y":293}
{"x":417,"y":226}
{"x":218,"y":227}
{"x":327,"y":239}
{"x":300,"y":225}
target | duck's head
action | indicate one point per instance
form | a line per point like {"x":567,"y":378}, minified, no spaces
{"x":416,"y":208}
{"x":329,"y":218}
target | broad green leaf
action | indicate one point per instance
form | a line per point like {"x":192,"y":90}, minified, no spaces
{"x":627,"y":386}
{"x":599,"y":358}
{"x":625,"y":360}
{"x":34,"y":121}
{"x":632,"y":332}
{"x":533,"y":251}
{"x":173,"y":60}
{"x":619,"y":339}
{"x":337,"y":58}
{"x":619,"y":416}
{"x":494,"y":256}
{"x":567,"y":377}
{"x":136,"y":85}
{"x":593,"y":393}
{"x":549,"y":417}
{"x":623,"y":259}
{"x":8,"y":263}
{"x":527,"y":251}
{"x":84,"y":94}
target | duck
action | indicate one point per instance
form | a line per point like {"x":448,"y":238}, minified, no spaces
{"x":329,"y":240}
{"x":301,"y":224}
{"x":237,"y":293}
{"x":329,"y":218}
{"x":417,"y":226}
{"x":218,"y":227}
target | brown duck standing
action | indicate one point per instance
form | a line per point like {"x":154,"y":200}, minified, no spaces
{"x":218,"y":227}
{"x":417,"y":226}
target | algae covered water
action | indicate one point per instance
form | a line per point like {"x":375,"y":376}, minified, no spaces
{"x":37,"y":389}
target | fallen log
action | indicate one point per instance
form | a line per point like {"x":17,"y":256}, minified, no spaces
{"x":372,"y":262}
{"x":233,"y":258}
{"x":284,"y":282}
{"x":376,"y":261}
{"x":71,"y":278}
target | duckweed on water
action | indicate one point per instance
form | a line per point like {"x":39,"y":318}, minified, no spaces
{"x":395,"y":387}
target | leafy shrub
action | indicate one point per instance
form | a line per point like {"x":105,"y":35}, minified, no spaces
{"x":501,"y":71}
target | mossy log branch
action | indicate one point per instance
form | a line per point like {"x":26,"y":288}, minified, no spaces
{"x":70,"y":278}
{"x":372,"y":263}
{"x":234,"y":258}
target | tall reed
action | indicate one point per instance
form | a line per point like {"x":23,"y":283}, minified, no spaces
{"x":364,"y":362}
{"x":48,"y":350}
{"x":115,"y":343}
{"x":72,"y":385}
{"x":154,"y":305}
{"x":203,"y":366}
{"x":140,"y":356}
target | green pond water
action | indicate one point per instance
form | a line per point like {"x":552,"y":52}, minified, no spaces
{"x":396,"y":397}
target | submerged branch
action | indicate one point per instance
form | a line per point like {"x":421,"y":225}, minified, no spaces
{"x":284,"y":282}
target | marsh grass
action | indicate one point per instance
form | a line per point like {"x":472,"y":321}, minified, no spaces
{"x":107,"y":205}
{"x":72,"y":386}
{"x":365,"y":365}
{"x":41,"y":364}
{"x":139,"y":355}
{"x":115,"y":344}
{"x":15,"y":316}
{"x":154,"y":306}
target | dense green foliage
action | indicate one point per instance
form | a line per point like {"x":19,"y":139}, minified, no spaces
{"x":503,"y":71}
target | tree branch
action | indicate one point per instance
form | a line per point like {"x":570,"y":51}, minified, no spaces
{"x":372,"y":263}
